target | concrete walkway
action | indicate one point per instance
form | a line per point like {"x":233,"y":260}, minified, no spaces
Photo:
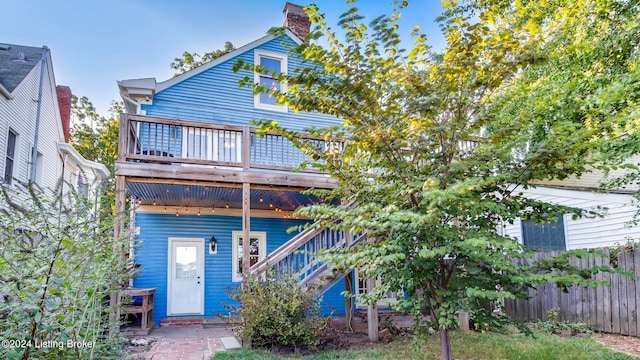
{"x":191,"y":342}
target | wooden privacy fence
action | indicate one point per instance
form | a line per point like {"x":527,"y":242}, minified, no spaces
{"x":612,"y":309}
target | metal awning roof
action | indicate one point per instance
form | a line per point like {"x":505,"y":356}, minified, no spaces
{"x":185,"y":195}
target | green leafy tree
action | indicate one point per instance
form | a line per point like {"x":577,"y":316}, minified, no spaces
{"x":591,"y":77}
{"x":58,"y":265}
{"x":95,"y":137}
{"x":432,"y":171}
{"x":189,"y":61}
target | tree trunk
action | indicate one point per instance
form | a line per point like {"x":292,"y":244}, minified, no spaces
{"x":445,"y":345}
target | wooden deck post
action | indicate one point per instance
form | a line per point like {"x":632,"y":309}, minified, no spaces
{"x":348,"y":301}
{"x":246,"y":227}
{"x":372,"y":315}
{"x":114,"y":298}
{"x":463,"y":318}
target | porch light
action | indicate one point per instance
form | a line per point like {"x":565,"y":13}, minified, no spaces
{"x":177,"y":212}
{"x":186,"y":210}
{"x":199,"y":212}
{"x":213,"y":245}
{"x":213,"y":209}
{"x":261,"y":199}
{"x":227,"y":206}
{"x":165,"y":209}
{"x":270,"y":205}
{"x":154,"y":203}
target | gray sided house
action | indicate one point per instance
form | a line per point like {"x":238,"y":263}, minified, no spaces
{"x":34,"y":123}
{"x":203,"y":181}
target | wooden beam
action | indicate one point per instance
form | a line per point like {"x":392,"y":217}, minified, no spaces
{"x":246,"y":148}
{"x":120,"y":205}
{"x":122,"y":137}
{"x":348,"y":301}
{"x":224,"y":175}
{"x":213,"y":184}
{"x":372,"y":315}
{"x":246,"y":227}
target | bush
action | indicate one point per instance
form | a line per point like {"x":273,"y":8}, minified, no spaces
{"x":57,"y":267}
{"x":276,"y":312}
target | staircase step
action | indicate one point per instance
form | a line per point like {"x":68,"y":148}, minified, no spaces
{"x":230,"y":343}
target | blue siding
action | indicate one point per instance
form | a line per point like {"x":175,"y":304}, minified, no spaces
{"x":155,"y":229}
{"x":214,"y":95}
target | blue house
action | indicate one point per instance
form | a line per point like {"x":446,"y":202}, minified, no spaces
{"x":201,"y":181}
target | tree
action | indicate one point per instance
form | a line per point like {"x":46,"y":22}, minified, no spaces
{"x":592,"y":77}
{"x":95,"y":137}
{"x":57,"y":268}
{"x":189,"y":61}
{"x":432,"y":171}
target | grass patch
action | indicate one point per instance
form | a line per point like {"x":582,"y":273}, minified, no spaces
{"x":487,"y":346}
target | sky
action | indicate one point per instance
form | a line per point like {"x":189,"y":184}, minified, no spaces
{"x":94,"y":43}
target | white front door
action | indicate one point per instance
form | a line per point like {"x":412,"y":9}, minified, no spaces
{"x":186,"y":277}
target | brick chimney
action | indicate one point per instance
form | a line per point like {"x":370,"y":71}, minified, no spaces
{"x":64,"y":102}
{"x":296,"y":20}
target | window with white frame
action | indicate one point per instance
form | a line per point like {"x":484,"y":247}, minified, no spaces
{"x":257,"y":251}
{"x":272,"y":65}
{"x":10,"y":159}
{"x":363,"y":288}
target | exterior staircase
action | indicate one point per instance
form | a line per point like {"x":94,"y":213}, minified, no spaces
{"x":300,"y":256}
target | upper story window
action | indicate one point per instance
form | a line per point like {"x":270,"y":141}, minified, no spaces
{"x":544,"y":236}
{"x":9,"y":163}
{"x":273,"y":65}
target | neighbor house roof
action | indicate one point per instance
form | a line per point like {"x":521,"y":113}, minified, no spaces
{"x":16,"y":62}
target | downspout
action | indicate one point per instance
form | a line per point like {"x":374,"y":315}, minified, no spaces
{"x":34,"y":152}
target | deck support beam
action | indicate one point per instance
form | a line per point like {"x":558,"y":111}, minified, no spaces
{"x":246,"y":227}
{"x":372,"y":315}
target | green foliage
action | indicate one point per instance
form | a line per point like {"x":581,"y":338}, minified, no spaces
{"x":439,"y":149}
{"x":95,"y":137}
{"x":555,"y":326}
{"x":189,"y":61}
{"x":277,"y":312}
{"x":58,"y":265}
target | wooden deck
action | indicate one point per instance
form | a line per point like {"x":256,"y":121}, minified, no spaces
{"x":157,"y":148}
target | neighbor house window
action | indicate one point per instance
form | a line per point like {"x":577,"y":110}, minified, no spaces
{"x":272,"y":66}
{"x":9,"y":163}
{"x":544,"y":236}
{"x":257,"y":251}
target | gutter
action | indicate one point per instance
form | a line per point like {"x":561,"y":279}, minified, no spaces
{"x":5,"y":92}
{"x":34,"y":152}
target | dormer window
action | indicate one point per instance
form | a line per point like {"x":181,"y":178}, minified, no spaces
{"x":273,"y":65}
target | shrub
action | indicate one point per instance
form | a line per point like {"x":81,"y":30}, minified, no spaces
{"x":276,"y":312}
{"x":57,"y":267}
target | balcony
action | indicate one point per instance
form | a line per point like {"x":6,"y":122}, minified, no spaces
{"x":182,"y":149}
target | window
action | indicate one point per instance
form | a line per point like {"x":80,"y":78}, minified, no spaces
{"x":544,"y":236}
{"x":274,"y":65}
{"x":9,"y":163}
{"x":257,"y":251}
{"x":362,"y":288}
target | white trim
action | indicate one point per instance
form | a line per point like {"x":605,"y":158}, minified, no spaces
{"x":262,"y":250}
{"x":283,"y":58}
{"x":79,"y":160}
{"x":168,"y":83}
{"x":200,"y":260}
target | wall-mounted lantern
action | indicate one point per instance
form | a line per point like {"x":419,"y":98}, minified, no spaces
{"x":213,"y":245}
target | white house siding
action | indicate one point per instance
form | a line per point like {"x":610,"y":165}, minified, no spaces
{"x":19,"y":114}
{"x":595,"y":232}
{"x":595,"y":178}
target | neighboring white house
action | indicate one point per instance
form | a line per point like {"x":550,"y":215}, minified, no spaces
{"x":34,"y":123}
{"x":614,"y":228}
